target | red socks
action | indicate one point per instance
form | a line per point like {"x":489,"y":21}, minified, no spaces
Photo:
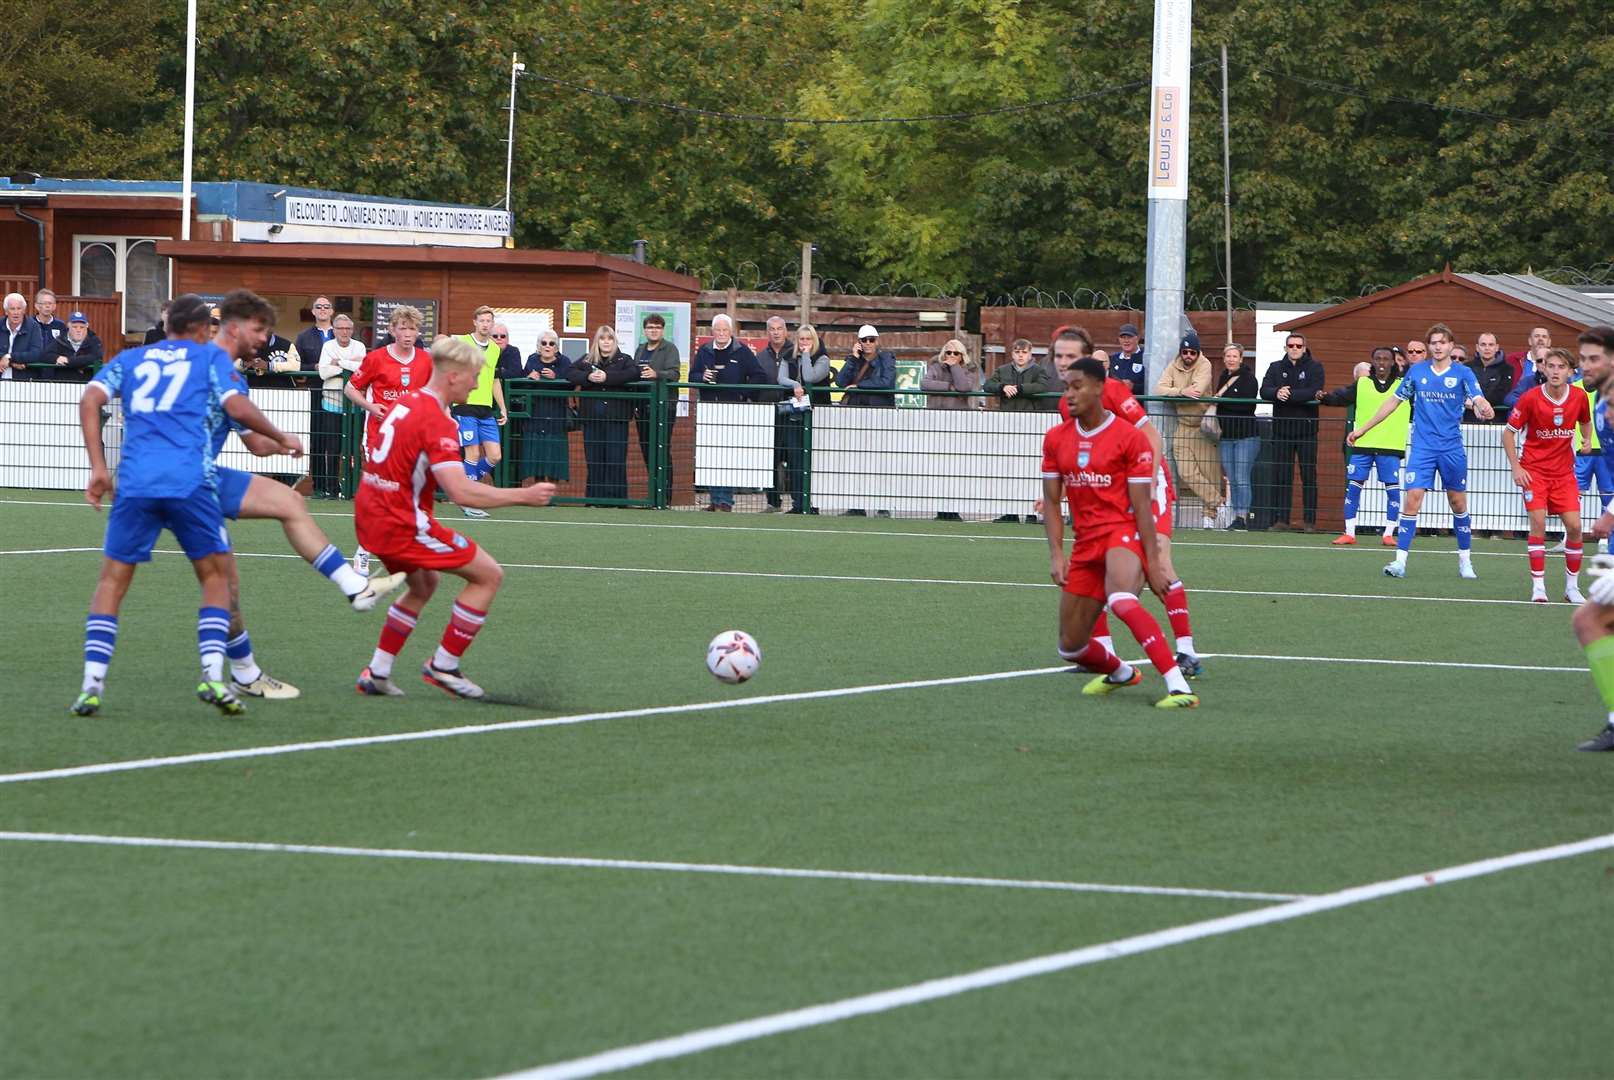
{"x":1094,"y":657}
{"x":396,"y":630}
{"x":1145,"y":629}
{"x":1572,"y":558}
{"x":1537,"y":548}
{"x":1177,"y":610}
{"x":461,"y":631}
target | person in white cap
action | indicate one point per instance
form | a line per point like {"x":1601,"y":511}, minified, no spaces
{"x":869,"y":368}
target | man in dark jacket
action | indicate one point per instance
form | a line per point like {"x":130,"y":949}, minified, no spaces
{"x":50,"y":326}
{"x":158,"y":332}
{"x":21,"y":342}
{"x":1295,"y":386}
{"x":78,"y":352}
{"x":868,"y":368}
{"x":1495,"y":374}
{"x":729,"y":363}
{"x":1017,"y":383}
{"x":657,"y":359}
{"x":312,"y":341}
{"x":775,"y":357}
{"x":1128,"y":364}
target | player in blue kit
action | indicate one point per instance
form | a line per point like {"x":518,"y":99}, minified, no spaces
{"x":165,"y":481}
{"x":1440,"y":390}
{"x":246,"y":321}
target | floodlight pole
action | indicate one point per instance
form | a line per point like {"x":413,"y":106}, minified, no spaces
{"x":1227,"y":201}
{"x":516,"y":68}
{"x":190,"y":119}
{"x":1167,"y":183}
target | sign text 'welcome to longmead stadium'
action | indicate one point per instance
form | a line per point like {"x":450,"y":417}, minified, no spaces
{"x":360,"y":214}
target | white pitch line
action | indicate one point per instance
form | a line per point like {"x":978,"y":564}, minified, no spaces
{"x":874,"y":579}
{"x":578,"y":862}
{"x":702,"y":706}
{"x":762,"y":1027}
{"x":508,"y":725}
{"x":828,"y":531}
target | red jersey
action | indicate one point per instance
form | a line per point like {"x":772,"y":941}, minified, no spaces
{"x":384,"y":379}
{"x":1098,"y":468}
{"x":1549,"y":428}
{"x":393,"y":506}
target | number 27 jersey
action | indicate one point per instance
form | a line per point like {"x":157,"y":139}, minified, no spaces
{"x":394,"y":501}
{"x":1098,"y":469}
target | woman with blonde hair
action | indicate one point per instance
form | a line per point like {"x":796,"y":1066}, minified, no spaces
{"x":806,"y":367}
{"x":953,"y":372}
{"x":605,"y":419}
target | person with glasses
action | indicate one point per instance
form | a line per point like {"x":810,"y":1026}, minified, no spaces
{"x":1189,"y":377}
{"x":311,"y":342}
{"x":545,"y":448}
{"x":773,"y":358}
{"x":1019,"y":384}
{"x":1437,"y":391}
{"x":869,"y":368}
{"x":1294,"y":385}
{"x":657,"y":359}
{"x":339,"y":360}
{"x":953,"y":371}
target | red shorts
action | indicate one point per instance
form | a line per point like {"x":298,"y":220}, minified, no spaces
{"x":1554,"y":494}
{"x":1085,"y":575}
{"x":437,"y":548}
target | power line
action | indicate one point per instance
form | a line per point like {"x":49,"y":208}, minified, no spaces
{"x":758,"y":118}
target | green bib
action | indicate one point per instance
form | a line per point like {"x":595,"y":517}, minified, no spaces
{"x":483,"y":394}
{"x":1391,"y":432}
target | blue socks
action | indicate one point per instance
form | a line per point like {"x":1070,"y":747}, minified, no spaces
{"x":1353,"y":499}
{"x":1392,"y":506}
{"x":1464,"y":528}
{"x":212,"y":627}
{"x":100,"y":638}
{"x":1404,"y":534}
{"x":475,"y":470}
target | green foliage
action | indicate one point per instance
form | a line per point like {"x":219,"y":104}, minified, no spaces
{"x":1343,"y":176}
{"x":81,"y":89}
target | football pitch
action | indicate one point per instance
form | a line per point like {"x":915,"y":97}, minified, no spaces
{"x":909,"y":847}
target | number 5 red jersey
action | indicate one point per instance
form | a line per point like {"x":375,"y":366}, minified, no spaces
{"x":394,"y":502}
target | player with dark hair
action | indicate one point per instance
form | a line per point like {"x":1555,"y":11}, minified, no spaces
{"x":1105,"y":468}
{"x":416,"y":448}
{"x":1548,"y":417}
{"x":166,"y":481}
{"x":245,"y":323}
{"x":1070,"y":344}
{"x":1594,"y":620}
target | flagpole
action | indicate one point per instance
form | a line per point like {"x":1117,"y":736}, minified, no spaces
{"x":190,"y":118}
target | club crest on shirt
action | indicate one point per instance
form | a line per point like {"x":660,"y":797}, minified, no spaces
{"x":404,"y":377}
{"x":1557,"y":419}
{"x":1451,"y":382}
{"x":1083,"y":458}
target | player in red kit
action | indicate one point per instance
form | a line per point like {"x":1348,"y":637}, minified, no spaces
{"x":385,"y":375}
{"x":1548,"y":416}
{"x":416,"y":449}
{"x":1070,"y":344}
{"x":1105,"y":469}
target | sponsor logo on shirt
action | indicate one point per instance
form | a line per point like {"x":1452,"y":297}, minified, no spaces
{"x":1087,"y":478}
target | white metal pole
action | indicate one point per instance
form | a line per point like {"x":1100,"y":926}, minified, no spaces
{"x":1168,"y":182}
{"x":1227,"y":199}
{"x":516,"y":68}
{"x":190,"y":119}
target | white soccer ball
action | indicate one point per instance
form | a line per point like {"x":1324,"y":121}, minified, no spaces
{"x":733,"y":656}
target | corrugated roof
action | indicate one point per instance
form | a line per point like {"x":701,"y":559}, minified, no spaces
{"x":1527,"y":288}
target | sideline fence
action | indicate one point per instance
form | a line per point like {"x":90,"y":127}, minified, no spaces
{"x":908,"y":454}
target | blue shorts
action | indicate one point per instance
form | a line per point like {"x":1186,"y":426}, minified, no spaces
{"x":134,"y":524}
{"x":232,"y":488}
{"x":1365,"y":463}
{"x":1423,"y":465}
{"x":477,"y":429}
{"x":1594,"y":466}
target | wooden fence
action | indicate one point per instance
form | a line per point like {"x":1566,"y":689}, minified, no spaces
{"x":911,"y":327}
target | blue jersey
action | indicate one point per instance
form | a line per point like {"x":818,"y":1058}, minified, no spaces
{"x":168,"y":390}
{"x":1437,"y":398}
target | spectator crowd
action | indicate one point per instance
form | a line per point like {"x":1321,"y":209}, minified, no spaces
{"x":1240,"y":468}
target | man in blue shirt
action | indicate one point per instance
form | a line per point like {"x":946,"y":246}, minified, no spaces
{"x":1439,"y":391}
{"x":166,"y":480}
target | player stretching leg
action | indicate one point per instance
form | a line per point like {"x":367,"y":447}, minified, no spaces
{"x":165,"y":481}
{"x":417,"y":448}
{"x":1439,"y":391}
{"x":1069,"y":345}
{"x":245,"y":321}
{"x":1549,"y":416}
{"x":1106,"y":469}
{"x":384,"y":375}
{"x":479,"y":431}
{"x":1380,"y":452}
